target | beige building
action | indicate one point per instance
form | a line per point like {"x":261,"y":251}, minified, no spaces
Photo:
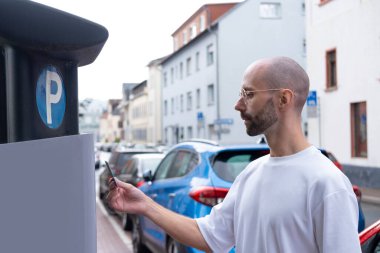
{"x":110,"y":124}
{"x":138,"y":114}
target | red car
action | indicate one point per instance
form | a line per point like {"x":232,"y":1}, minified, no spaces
{"x":370,"y":238}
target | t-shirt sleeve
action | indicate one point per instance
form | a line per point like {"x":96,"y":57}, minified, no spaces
{"x":218,"y":227}
{"x":336,"y":223}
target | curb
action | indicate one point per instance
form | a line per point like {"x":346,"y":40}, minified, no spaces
{"x":371,"y":200}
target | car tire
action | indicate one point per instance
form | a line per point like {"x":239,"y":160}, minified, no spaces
{"x":126,"y":222}
{"x":173,"y":246}
{"x":138,"y":246}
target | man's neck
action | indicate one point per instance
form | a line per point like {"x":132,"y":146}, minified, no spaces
{"x":287,"y":141}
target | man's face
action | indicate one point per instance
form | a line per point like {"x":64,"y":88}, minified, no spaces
{"x":257,"y":109}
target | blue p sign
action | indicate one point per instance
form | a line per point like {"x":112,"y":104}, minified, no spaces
{"x":50,"y":96}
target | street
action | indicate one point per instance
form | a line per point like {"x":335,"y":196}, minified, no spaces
{"x":371,"y":213}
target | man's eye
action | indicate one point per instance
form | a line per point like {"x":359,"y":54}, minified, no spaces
{"x":249,"y":95}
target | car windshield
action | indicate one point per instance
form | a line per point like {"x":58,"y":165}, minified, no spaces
{"x":151,"y":164}
{"x":228,"y":164}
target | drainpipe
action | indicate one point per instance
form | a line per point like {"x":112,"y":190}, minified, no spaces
{"x":215,"y":33}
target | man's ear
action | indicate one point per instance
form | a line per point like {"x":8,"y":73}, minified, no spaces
{"x":285,"y":98}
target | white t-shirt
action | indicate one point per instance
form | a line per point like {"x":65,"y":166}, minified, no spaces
{"x":293,"y":204}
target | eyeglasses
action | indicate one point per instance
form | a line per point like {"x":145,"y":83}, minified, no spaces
{"x":248,"y":95}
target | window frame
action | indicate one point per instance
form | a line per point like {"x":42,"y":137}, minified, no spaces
{"x":331,"y":70}
{"x":359,"y":149}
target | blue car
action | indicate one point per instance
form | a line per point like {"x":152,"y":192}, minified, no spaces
{"x":192,"y":178}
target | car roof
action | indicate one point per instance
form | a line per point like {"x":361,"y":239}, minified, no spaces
{"x":148,"y":155}
{"x":201,"y":147}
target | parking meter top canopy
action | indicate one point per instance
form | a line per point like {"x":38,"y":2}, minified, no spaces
{"x":36,"y":27}
{"x":41,"y":49}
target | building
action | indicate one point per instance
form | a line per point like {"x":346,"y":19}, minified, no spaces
{"x":201,"y":80}
{"x":343,"y":47}
{"x":90,"y":111}
{"x":154,"y":90}
{"x":199,"y":22}
{"x":110,"y":122}
{"x":138,"y":114}
{"x":124,"y":106}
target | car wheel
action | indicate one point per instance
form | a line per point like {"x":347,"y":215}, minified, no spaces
{"x":172,"y":246}
{"x":126,"y":222}
{"x":138,"y":246}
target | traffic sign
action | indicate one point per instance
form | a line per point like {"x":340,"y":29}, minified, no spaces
{"x":225,"y":121}
{"x":51,"y":97}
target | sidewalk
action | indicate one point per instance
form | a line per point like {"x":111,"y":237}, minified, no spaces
{"x":370,"y":195}
{"x":111,"y":238}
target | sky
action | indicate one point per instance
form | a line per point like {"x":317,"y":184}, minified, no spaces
{"x":139,"y":32}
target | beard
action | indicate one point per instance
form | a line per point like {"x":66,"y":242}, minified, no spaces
{"x":262,"y":121}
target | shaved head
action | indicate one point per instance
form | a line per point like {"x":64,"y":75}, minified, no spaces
{"x":281,"y":72}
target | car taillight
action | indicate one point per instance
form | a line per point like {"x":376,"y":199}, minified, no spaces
{"x":140,"y":183}
{"x":357,"y":192}
{"x":337,"y":164}
{"x":208,"y":195}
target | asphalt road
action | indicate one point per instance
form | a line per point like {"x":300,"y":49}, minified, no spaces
{"x":371,"y":213}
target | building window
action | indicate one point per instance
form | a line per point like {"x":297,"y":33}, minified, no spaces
{"x":197,"y":61}
{"x":359,"y":129}
{"x":189,"y":101}
{"x":270,"y":10}
{"x":210,"y":55}
{"x":198,"y":94}
{"x":188,"y":66}
{"x":304,"y":48}
{"x":331,"y":76}
{"x":181,"y":133}
{"x":193,"y":31}
{"x":189,"y":132}
{"x":303,"y":9}
{"x":202,"y":23}
{"x":181,"y":70}
{"x":210,"y":94}
{"x":172,"y":105}
{"x":172,"y":75}
{"x":181,"y":101}
{"x":165,"y":107}
{"x":165,"y":79}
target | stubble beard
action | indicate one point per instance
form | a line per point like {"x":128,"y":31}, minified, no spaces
{"x":263,"y":120}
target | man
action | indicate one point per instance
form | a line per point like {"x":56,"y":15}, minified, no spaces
{"x":293,"y":200}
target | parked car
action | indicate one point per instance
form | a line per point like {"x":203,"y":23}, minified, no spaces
{"x":133,"y":172}
{"x":192,"y":178}
{"x":117,"y":162}
{"x":370,"y":238}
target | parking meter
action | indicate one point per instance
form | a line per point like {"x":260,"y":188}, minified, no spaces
{"x":47,"y":184}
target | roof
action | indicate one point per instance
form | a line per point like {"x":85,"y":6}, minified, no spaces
{"x":202,"y":8}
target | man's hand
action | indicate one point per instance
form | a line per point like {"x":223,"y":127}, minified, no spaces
{"x":125,"y":197}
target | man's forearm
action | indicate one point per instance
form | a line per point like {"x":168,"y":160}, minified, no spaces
{"x":183,"y":229}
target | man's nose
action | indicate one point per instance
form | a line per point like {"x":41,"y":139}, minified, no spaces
{"x":239,"y":105}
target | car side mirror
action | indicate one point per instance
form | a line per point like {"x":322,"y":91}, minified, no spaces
{"x":147,"y":176}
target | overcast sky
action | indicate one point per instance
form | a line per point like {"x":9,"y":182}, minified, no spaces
{"x":139,"y":31}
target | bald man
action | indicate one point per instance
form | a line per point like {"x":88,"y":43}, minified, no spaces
{"x":292,"y":200}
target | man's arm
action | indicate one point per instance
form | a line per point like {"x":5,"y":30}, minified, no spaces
{"x":124,"y":197}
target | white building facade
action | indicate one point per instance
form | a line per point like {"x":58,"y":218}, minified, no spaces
{"x":154,"y":90}
{"x":249,"y":31}
{"x":188,"y":92}
{"x":343,"y":47}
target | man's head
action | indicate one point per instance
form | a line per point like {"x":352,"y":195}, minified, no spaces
{"x":274,"y":90}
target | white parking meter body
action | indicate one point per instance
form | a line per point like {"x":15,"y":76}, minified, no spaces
{"x":47,"y":167}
